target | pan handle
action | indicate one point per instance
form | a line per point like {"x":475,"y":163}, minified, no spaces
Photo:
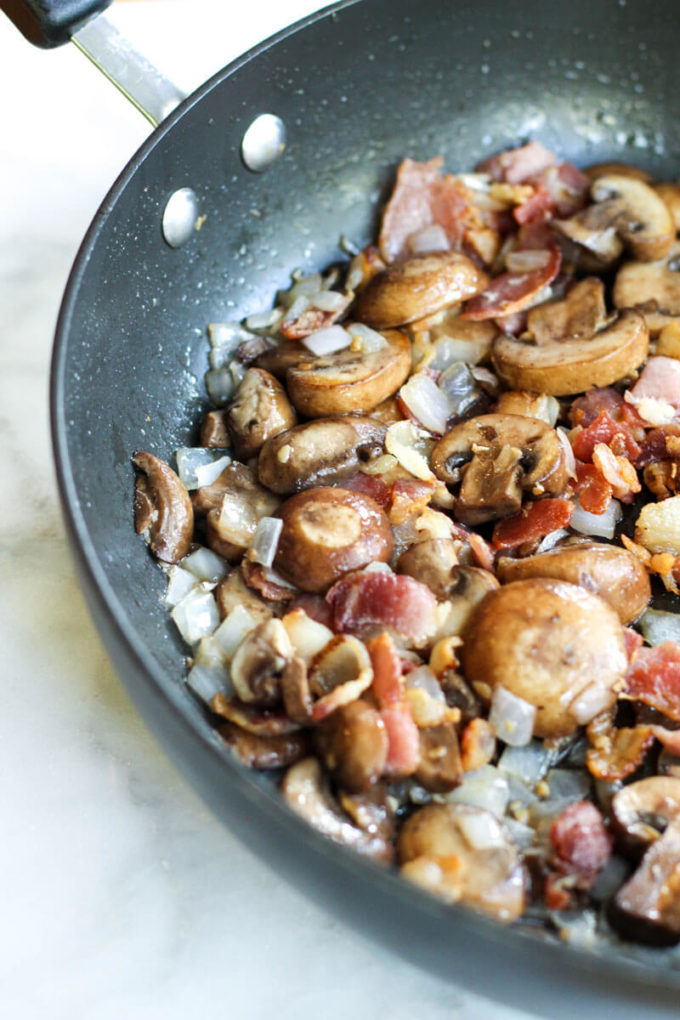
{"x":49,"y":23}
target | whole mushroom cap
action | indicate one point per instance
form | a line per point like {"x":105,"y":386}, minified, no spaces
{"x":552,"y":643}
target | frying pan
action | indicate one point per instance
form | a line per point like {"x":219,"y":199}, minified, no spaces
{"x":356,"y":87}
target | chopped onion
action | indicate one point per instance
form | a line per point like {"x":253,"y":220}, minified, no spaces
{"x":304,"y":286}
{"x":206,"y":474}
{"x":298,"y":308}
{"x":590,"y":702}
{"x":191,"y":458}
{"x":264,"y":320}
{"x":327,"y":341}
{"x":487,"y":380}
{"x":527,"y":261}
{"x":429,"y":404}
{"x":511,"y":717}
{"x":551,"y":540}
{"x":579,"y":927}
{"x":568,"y":784}
{"x":275,"y":578}
{"x":430,"y":238}
{"x":449,"y":349}
{"x":196,"y":615}
{"x":529,"y":762}
{"x":424,"y":679}
{"x":308,"y":637}
{"x":481,"y":831}
{"x":567,"y":450}
{"x":265,"y":540}
{"x":601,"y":525}
{"x":233,"y":629}
{"x":228,"y":335}
{"x":658,"y":626}
{"x":180,"y":583}
{"x":458,"y":383}
{"x":205,"y":565}
{"x":207,"y":681}
{"x":476,"y":182}
{"x":236,"y":522}
{"x":329,"y":301}
{"x":377,"y":567}
{"x":522,"y":835}
{"x":485,"y":788}
{"x":402,"y":440}
{"x":369,"y":339}
{"x":519,"y":792}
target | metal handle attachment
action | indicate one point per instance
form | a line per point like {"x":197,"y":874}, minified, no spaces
{"x":49,"y":23}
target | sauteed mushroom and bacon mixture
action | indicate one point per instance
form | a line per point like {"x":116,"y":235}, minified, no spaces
{"x":395,"y":552}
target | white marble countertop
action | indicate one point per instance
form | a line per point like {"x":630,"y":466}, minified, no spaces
{"x":121,"y":895}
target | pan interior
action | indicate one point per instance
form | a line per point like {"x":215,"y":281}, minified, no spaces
{"x":357,"y":90}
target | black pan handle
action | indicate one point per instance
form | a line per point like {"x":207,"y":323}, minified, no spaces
{"x":49,"y":23}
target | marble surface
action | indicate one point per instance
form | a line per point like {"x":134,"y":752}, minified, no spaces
{"x":121,"y":895}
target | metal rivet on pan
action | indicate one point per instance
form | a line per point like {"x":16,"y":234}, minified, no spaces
{"x":179,"y":217}
{"x":263,"y":142}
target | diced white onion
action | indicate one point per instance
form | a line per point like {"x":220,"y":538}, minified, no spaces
{"x":527,"y":261}
{"x":658,"y":626}
{"x":265,"y":320}
{"x":450,"y":349}
{"x":484,"y":787}
{"x":481,"y":831}
{"x":519,"y":792}
{"x":427,"y":402}
{"x":206,"y":474}
{"x":476,"y":182}
{"x":403,"y":440}
{"x":265,"y":540}
{"x":511,"y":717}
{"x":328,"y":301}
{"x":484,"y":377}
{"x":577,"y":927}
{"x":590,"y":702}
{"x":180,"y":583}
{"x":567,"y":451}
{"x":377,"y":567}
{"x":304,"y":287}
{"x":233,"y":629}
{"x":328,"y":340}
{"x":308,"y":637}
{"x":601,"y":525}
{"x":529,"y":762}
{"x":458,"y":383}
{"x":369,"y":339}
{"x":551,"y":540}
{"x":522,"y":835}
{"x":205,"y":565}
{"x":220,"y":384}
{"x":568,"y":784}
{"x":228,"y":334}
{"x":236,"y":522}
{"x":424,"y":679}
{"x":273,"y":575}
{"x":196,"y":615}
{"x":207,"y":681}
{"x":430,"y":238}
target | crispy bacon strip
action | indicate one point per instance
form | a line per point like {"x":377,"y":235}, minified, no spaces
{"x":512,"y":292}
{"x":654,"y":679}
{"x":535,"y":520}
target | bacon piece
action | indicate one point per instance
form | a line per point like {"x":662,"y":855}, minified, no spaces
{"x":477,"y":744}
{"x":604,"y":429}
{"x":403,"y":747}
{"x":633,"y":641}
{"x":618,"y":753}
{"x":537,"y":208}
{"x":594,"y":492}
{"x":311,"y":320}
{"x":655,"y":446}
{"x":654,"y":679}
{"x":482,"y":553}
{"x":659,"y":380}
{"x":255,"y":576}
{"x":388,"y":683}
{"x":518,"y":165}
{"x":581,"y":842}
{"x":535,"y":520}
{"x":512,"y":292}
{"x":381,"y":598}
{"x":407,"y":497}
{"x":618,"y":471}
{"x":315,"y":606}
{"x":371,"y":485}
{"x":584,"y":410}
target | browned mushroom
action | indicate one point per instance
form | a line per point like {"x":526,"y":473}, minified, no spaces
{"x":669,"y":191}
{"x":433,"y":562}
{"x":551,"y":643}
{"x":653,"y":287}
{"x":241,"y":503}
{"x":232,"y":591}
{"x":307,"y":793}
{"x":623,"y":207}
{"x":497,"y":458}
{"x":320,"y":452}
{"x":439,"y":767}
{"x":417,"y":287}
{"x":576,"y":317}
{"x":214,"y":429}
{"x":259,"y":662}
{"x":372,"y":810}
{"x":263,"y":753}
{"x":259,"y":410}
{"x":596,"y":170}
{"x":349,"y":380}
{"x":562,"y":367}
{"x":463,"y":853}
{"x":647,"y":907}
{"x":352,"y":743}
{"x":328,"y":532}
{"x":609,"y":571}
{"x":163,"y":511}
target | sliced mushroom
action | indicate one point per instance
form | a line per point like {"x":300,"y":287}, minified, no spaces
{"x":499,"y":457}
{"x":563,"y":367}
{"x":279,"y":358}
{"x":349,"y":381}
{"x":627,"y":207}
{"x":162,"y":507}
{"x":328,"y":532}
{"x":468,"y":587}
{"x":232,"y":591}
{"x":439,"y":767}
{"x":647,"y":907}
{"x":260,"y":410}
{"x":433,"y":562}
{"x":576,"y":317}
{"x":462,"y":852}
{"x":653,"y":287}
{"x":307,"y":793}
{"x":609,"y":571}
{"x":372,"y":810}
{"x":320,"y":452}
{"x":596,"y":170}
{"x":214,"y":429}
{"x":551,"y":643}
{"x":417,"y":287}
{"x":259,"y":662}
{"x":352,"y":743}
{"x":264,"y":753}
{"x":230,"y":527}
{"x":669,"y":191}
